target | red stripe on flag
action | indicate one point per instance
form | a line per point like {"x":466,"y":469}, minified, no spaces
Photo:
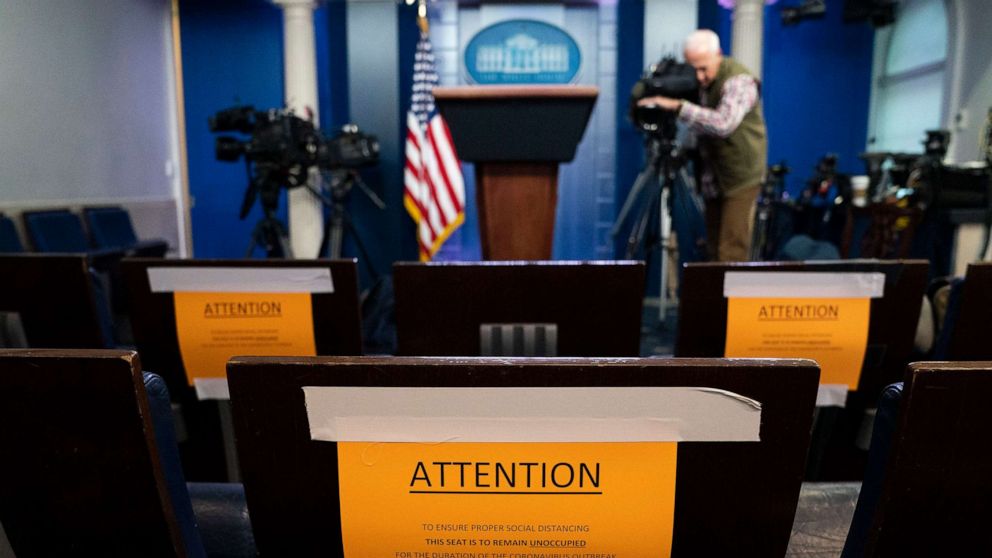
{"x":432,"y":141}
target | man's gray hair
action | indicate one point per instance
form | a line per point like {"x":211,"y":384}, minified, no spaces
{"x":702,"y":41}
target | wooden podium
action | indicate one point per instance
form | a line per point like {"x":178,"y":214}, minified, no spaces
{"x":516,"y":136}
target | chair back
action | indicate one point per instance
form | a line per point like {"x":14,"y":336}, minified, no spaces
{"x":110,"y":227}
{"x":581,"y":309}
{"x":336,"y":317}
{"x":966,"y":323}
{"x":60,"y":302}
{"x":727,"y":496}
{"x":10,"y":241}
{"x":82,"y":472}
{"x":932,"y":496}
{"x":950,"y":312}
{"x":163,"y":425}
{"x":703,"y":307}
{"x":882,"y":434}
{"x":57,"y":230}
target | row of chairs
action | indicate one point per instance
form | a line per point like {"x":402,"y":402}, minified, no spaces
{"x":497,"y":295}
{"x":97,"y":230}
{"x":104,"y":235}
{"x":97,"y":469}
{"x":81,"y":483}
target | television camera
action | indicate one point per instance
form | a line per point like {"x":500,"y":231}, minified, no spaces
{"x":667,"y":78}
{"x":280,"y":152}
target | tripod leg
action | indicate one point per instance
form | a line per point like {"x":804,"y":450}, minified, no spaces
{"x":664,"y":237}
{"x":640,"y":229}
{"x":759,"y":238}
{"x":336,"y":237}
{"x":330,"y":244}
{"x":282,"y":242}
{"x":362,"y":252}
{"x":256,"y":234}
{"x":635,"y":192}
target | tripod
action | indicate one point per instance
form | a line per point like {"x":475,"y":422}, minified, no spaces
{"x":269,"y":232}
{"x":340,"y":186}
{"x":664,"y":163}
{"x":763,"y":236}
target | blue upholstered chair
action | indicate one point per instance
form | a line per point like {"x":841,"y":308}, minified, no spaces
{"x":62,"y":231}
{"x":60,"y":300}
{"x":927,"y":486}
{"x":57,"y":230}
{"x":10,"y":241}
{"x":111,"y":228}
{"x":168,"y":453}
{"x":212,"y":516}
{"x":942,"y":344}
{"x":91,"y":465}
{"x":883,"y":432}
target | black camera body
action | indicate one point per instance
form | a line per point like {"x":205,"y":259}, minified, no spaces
{"x":349,"y":148}
{"x":283,"y":140}
{"x":667,"y":78}
{"x":282,"y":147}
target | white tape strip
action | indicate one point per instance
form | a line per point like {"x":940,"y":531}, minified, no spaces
{"x":211,"y":388}
{"x":831,"y":395}
{"x":587,"y":414}
{"x":803,"y":284}
{"x":241,"y":279}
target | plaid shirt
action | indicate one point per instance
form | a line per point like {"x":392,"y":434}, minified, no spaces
{"x":740,"y":93}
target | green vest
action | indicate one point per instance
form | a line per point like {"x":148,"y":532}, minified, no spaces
{"x":738,"y":160}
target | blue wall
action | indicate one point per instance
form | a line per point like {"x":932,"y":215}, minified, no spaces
{"x":630,"y":142}
{"x":817,"y":88}
{"x":715,"y":18}
{"x":232,"y":54}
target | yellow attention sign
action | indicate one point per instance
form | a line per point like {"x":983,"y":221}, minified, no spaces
{"x":490,"y":500}
{"x":831,"y":331}
{"x":213,"y":327}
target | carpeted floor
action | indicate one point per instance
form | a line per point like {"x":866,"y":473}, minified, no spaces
{"x":657,"y":336}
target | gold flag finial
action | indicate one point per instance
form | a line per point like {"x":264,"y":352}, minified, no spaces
{"x":422,"y":17}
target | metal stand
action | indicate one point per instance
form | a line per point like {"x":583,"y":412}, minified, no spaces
{"x":771,"y":194}
{"x":339,"y":189}
{"x":664,"y":163}
{"x":270,"y":233}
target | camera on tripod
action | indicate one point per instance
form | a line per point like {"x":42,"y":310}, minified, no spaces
{"x":289,"y":145}
{"x":279,"y":152}
{"x":667,"y":78}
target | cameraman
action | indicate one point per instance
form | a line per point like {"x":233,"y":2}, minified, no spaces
{"x":732,"y":138}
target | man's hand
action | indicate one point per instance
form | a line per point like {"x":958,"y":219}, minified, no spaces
{"x":663,"y":102}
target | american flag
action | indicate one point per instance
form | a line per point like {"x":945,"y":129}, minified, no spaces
{"x":434,"y":192}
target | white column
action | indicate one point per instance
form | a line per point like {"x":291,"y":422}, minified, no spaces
{"x":306,"y":217}
{"x":747,"y":34}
